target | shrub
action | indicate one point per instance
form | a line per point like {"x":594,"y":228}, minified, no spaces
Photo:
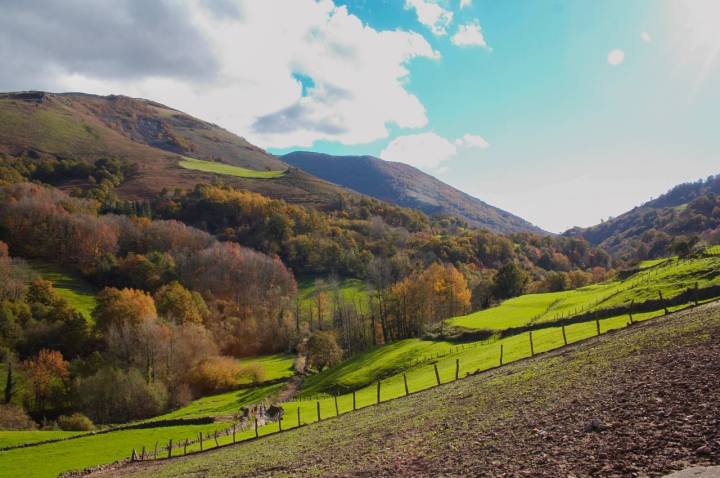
{"x":214,"y":373}
{"x":253,"y":373}
{"x":13,"y":417}
{"x":115,"y":396}
{"x":77,"y":422}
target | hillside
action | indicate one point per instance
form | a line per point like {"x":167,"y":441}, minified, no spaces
{"x":633,"y":403}
{"x":159,"y":142}
{"x":656,"y":227}
{"x":406,"y":186}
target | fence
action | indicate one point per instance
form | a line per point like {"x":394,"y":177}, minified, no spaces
{"x":301,"y":412}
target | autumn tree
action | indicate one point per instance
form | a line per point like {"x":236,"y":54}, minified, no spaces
{"x":177,"y":304}
{"x":47,"y":375}
{"x":323,"y":350}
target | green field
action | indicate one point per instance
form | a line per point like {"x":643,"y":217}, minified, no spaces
{"x":50,"y":459}
{"x":353,"y":291}
{"x":76,"y":290}
{"x":669,"y":277}
{"x":21,"y":437}
{"x":276,"y":366}
{"x":227,"y":169}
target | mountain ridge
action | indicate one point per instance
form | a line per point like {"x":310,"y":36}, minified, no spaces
{"x":407,"y":186}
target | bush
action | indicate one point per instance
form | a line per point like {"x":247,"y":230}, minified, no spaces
{"x":77,"y":422}
{"x":115,"y":396}
{"x":252,"y":373}
{"x":13,"y":417}
{"x":214,"y":374}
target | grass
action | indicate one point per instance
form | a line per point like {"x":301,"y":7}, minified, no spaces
{"x":276,"y":366}
{"x":223,"y":404}
{"x":497,"y":404}
{"x":76,"y":290}
{"x":21,"y":437}
{"x":227,"y":169}
{"x":352,"y":290}
{"x":714,"y":250}
{"x":50,"y":459}
{"x":669,"y":277}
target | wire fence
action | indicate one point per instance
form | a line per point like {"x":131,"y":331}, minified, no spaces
{"x":467,"y":361}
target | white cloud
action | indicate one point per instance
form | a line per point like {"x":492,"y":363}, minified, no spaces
{"x":465,"y":3}
{"x":357,"y":74}
{"x":429,"y":150}
{"x":431,"y":14}
{"x":645,"y":36}
{"x":615,"y":57}
{"x":472,"y":141}
{"x":470,"y":35}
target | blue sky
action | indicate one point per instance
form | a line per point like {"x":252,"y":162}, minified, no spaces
{"x":562,"y":112}
{"x":573,"y":139}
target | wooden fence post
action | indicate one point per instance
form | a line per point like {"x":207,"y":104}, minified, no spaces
{"x":234,"y":431}
{"x":354,"y":401}
{"x":663,"y":302}
{"x":142,"y":456}
{"x":532,"y":348}
{"x":564,"y":335}
{"x":457,"y":368}
{"x":170,"y":448}
{"x":185,"y":447}
{"x":155,"y":453}
{"x":695,"y":295}
{"x":407,"y":392}
{"x":216,"y":440}
{"x":133,"y":455}
{"x":256,"y":427}
{"x":200,"y":438}
{"x":337,"y":410}
{"x":501,"y":354}
{"x":378,"y":391}
{"x":632,"y":303}
{"x":298,"y":414}
{"x":437,"y":374}
{"x":597,"y":324}
{"x":280,"y":423}
{"x":318,"y":410}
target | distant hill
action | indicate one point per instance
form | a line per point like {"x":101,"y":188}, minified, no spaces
{"x":151,"y":136}
{"x":407,"y":186}
{"x":687,"y":211}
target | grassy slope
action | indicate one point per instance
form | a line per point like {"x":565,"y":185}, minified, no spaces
{"x":53,"y":458}
{"x":13,"y":438}
{"x":227,"y":169}
{"x":78,"y":292}
{"x":668,"y":276}
{"x":472,"y":427}
{"x":384,"y":361}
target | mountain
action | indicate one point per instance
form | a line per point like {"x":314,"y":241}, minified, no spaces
{"x":152,"y":137}
{"x":653,"y":229}
{"x":407,"y":186}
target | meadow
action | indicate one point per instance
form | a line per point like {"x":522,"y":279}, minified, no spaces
{"x":227,"y":169}
{"x":73,"y":288}
{"x":50,"y":459}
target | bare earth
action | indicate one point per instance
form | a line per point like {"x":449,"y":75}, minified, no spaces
{"x":639,"y":402}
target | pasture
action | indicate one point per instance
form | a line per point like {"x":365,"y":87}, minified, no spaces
{"x":227,"y":169}
{"x":69,"y":285}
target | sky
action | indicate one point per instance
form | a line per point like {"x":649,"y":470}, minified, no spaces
{"x":562,"y":112}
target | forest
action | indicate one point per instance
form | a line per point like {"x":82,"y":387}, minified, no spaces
{"x":191,"y":280}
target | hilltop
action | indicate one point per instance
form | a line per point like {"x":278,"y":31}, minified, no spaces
{"x":406,"y":186}
{"x":664,"y":225}
{"x":160,"y":143}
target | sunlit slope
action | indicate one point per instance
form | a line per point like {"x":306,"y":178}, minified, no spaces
{"x":668,"y":277}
